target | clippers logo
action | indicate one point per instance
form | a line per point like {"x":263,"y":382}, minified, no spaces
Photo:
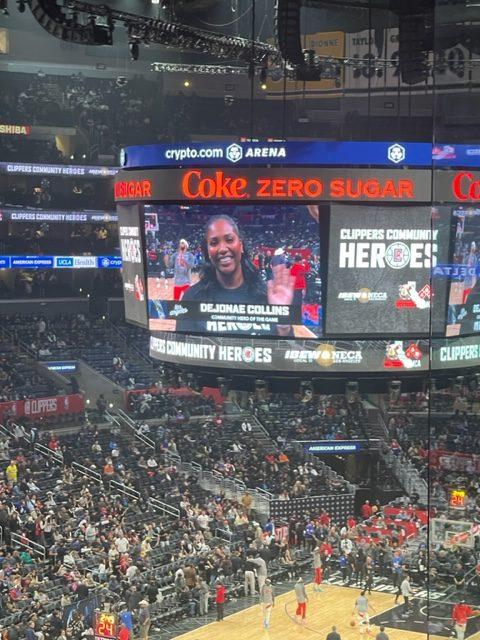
{"x":396,"y":153}
{"x":248,"y":354}
{"x":397,"y":255}
{"x":234,"y":153}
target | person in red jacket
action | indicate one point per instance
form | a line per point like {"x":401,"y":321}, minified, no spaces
{"x":366,"y":510}
{"x":124,"y":633}
{"x":299,"y":270}
{"x":460,"y":615}
{"x":220,"y":594}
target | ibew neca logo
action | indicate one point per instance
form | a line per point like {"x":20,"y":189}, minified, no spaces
{"x":234,"y":153}
{"x":396,"y":153}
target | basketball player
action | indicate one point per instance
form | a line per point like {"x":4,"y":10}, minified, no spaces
{"x":460,"y":615}
{"x":302,"y":600}
{"x":317,"y":569}
{"x":360,"y":611}
{"x":182,"y":262}
{"x":267,"y":600}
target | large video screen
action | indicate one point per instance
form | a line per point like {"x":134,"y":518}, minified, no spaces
{"x":464,"y":294}
{"x":133,"y":264}
{"x":234,"y":270}
{"x":379,"y":270}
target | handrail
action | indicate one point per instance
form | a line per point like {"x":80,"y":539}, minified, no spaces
{"x":128,"y":419}
{"x":164,"y":507}
{"x":125,"y":489}
{"x":173,"y":456}
{"x":5,"y":431}
{"x":55,"y":456}
{"x":24,"y":436}
{"x":131,"y":424}
{"x":26,"y":543}
{"x":265,"y":493}
{"x":85,"y":471}
{"x":128,"y":346}
{"x":223,"y":534}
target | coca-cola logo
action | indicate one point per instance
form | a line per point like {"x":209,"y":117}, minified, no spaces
{"x":465,"y":187}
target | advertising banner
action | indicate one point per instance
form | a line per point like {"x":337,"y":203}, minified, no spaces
{"x":39,"y":215}
{"x":23,"y":168}
{"x":292,"y":355}
{"x":199,"y":154}
{"x":36,"y":408}
{"x":130,"y":222}
{"x":274,"y":185}
{"x":379,"y":267}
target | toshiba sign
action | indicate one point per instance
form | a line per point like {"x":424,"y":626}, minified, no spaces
{"x":273,"y":184}
{"x":15,"y":129}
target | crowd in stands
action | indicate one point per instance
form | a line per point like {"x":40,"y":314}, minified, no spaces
{"x":20,"y":377}
{"x":290,"y":417}
{"x":113,"y":113}
{"x":67,"y":193}
{"x":106,"y":543}
{"x":438,"y":434}
{"x":97,"y":543}
{"x":64,"y":239}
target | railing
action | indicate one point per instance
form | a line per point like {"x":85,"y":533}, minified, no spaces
{"x":223,"y":534}
{"x":406,"y":473}
{"x":26,"y":543}
{"x":88,"y":473}
{"x":265,"y":493}
{"x":128,"y":422}
{"x":128,"y":346}
{"x":165,"y":508}
{"x":54,"y":456}
{"x":5,"y":431}
{"x":123,"y":488}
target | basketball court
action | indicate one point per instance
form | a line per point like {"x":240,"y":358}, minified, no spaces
{"x":333,"y":606}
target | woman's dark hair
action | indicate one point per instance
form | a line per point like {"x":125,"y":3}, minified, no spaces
{"x":251,"y":275}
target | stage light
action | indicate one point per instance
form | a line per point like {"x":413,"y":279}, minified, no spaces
{"x":134,"y":50}
{"x":165,"y":4}
{"x":155,"y":1}
{"x":263,"y":87}
{"x":186,"y":83}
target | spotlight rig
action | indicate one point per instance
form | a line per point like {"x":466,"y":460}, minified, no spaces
{"x":61,"y":20}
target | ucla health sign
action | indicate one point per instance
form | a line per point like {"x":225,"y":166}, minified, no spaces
{"x":60,"y":262}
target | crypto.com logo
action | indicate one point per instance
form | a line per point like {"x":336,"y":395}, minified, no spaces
{"x":396,"y":153}
{"x":234,"y":153}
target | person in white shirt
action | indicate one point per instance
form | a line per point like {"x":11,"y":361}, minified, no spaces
{"x":346,"y":545}
{"x":122,"y":544}
{"x":406,"y":592}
